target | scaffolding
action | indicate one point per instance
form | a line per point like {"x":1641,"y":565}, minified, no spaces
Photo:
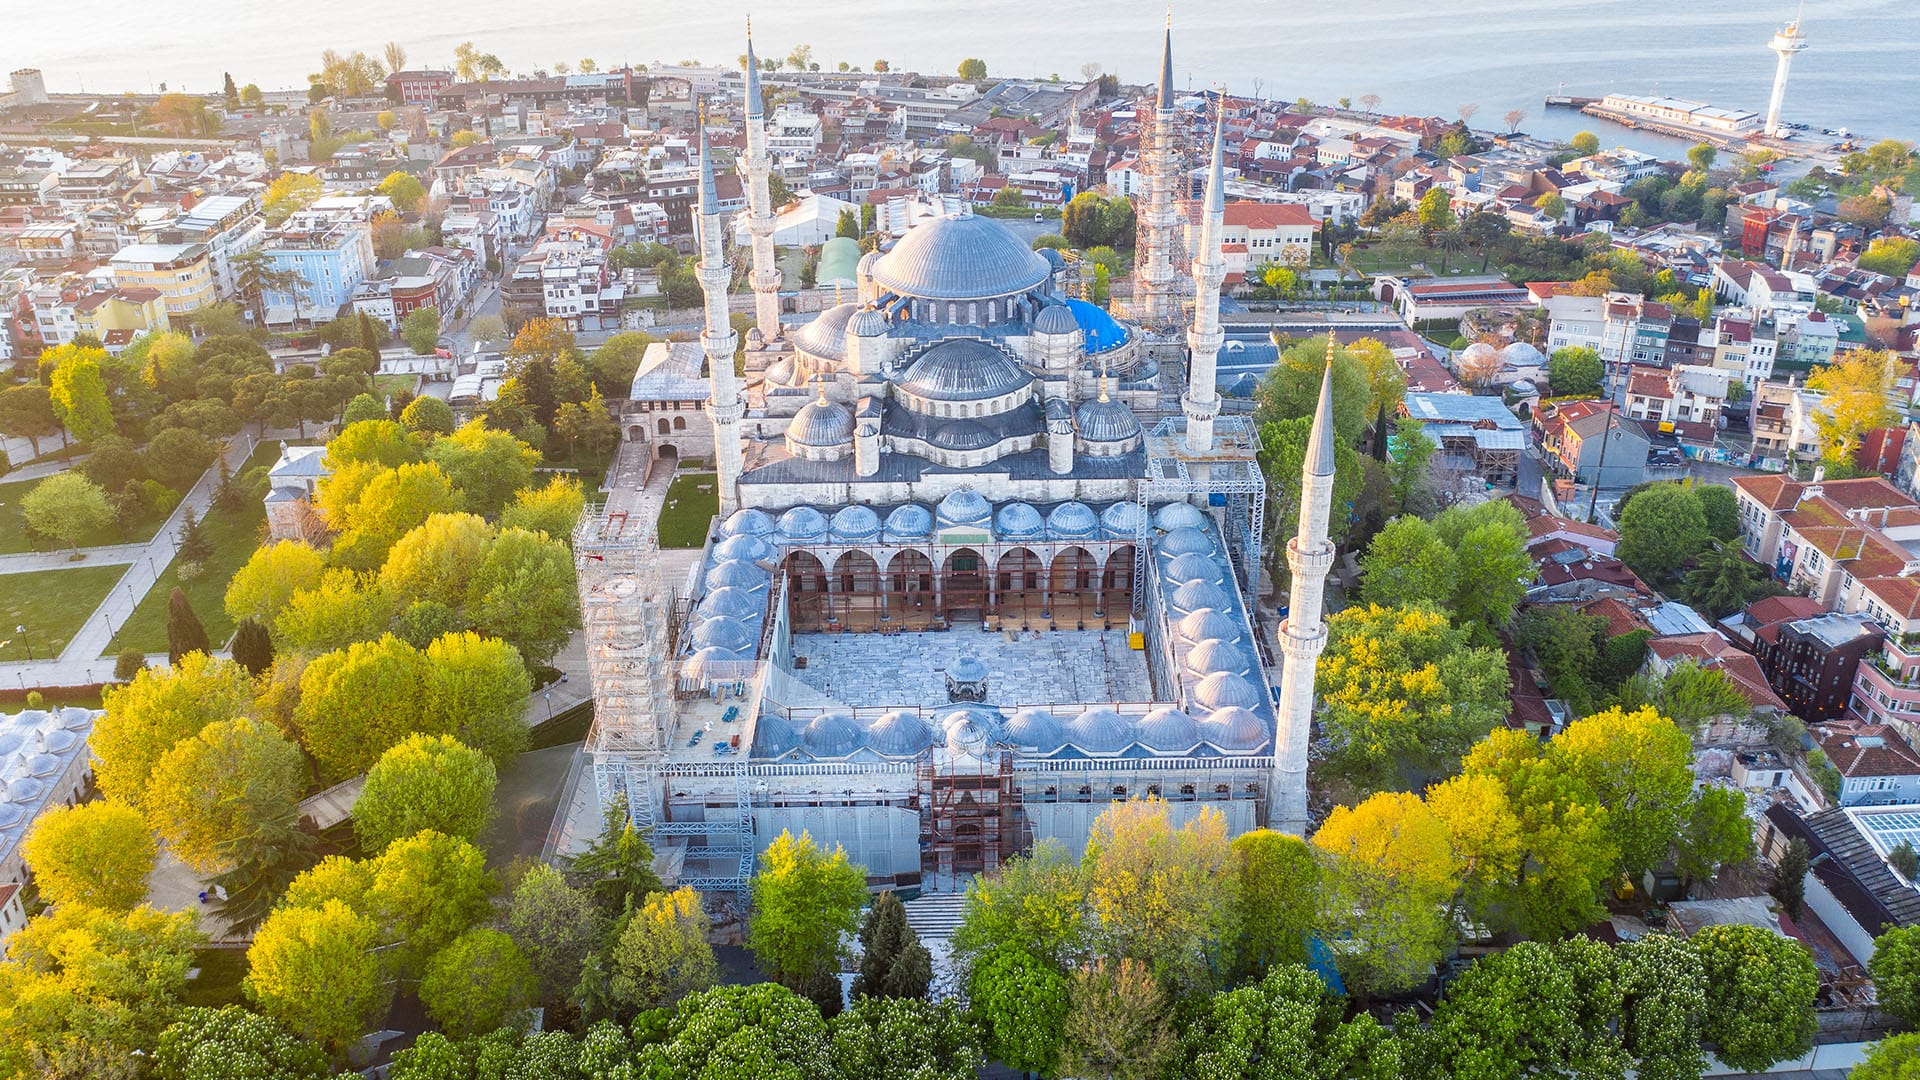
{"x":1229,"y":476}
{"x":970,"y":818}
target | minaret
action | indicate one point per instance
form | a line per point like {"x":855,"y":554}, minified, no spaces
{"x":1202,"y":400}
{"x":766,"y":275}
{"x":718,"y":339}
{"x":1303,"y":635}
{"x":1153,"y":290}
{"x":1788,"y":43}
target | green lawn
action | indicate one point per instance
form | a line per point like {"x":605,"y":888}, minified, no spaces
{"x":51,"y":604}
{"x":13,"y":526}
{"x":234,"y":540}
{"x":689,"y":510}
{"x":385,"y":386}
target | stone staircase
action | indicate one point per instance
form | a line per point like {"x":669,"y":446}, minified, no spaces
{"x":934,"y":917}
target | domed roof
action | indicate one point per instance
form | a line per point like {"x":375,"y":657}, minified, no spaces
{"x":900,"y":733}
{"x":909,"y":522}
{"x":867,"y":261}
{"x":773,"y":736}
{"x":744,"y":548}
{"x":1479,"y":351}
{"x":1178,"y":515}
{"x":732,"y":603}
{"x":1072,"y":521}
{"x":960,"y":258}
{"x":1108,"y":421}
{"x":74,"y":718}
{"x":25,"y":789}
{"x":832,"y":734}
{"x":802,"y":523}
{"x":1191,"y":565}
{"x":867,"y":322}
{"x":748,"y":522}
{"x":1055,"y":319}
{"x":738,"y":574}
{"x":10,"y":815}
{"x":41,"y":765}
{"x":61,"y":741}
{"x":702,"y":664}
{"x":1204,"y":623}
{"x":826,"y":336}
{"x":1122,"y":521}
{"x":11,"y":741}
{"x":1167,"y":728}
{"x":963,"y":369}
{"x":1183,"y":540}
{"x":1035,"y":728}
{"x":724,"y":632}
{"x":855,"y":523}
{"x":965,"y":507}
{"x":1102,"y":331}
{"x":966,"y":669}
{"x":780,"y":372}
{"x":1235,"y":728}
{"x":1521,"y":354}
{"x":1214,"y":655}
{"x":962,"y":435}
{"x":1019,"y":521}
{"x":821,"y":423}
{"x":1100,"y":730}
{"x":1222,"y":689}
{"x":968,"y":731}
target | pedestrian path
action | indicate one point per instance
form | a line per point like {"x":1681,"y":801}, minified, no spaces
{"x":935,"y":916}
{"x":28,"y":562}
{"x":42,"y":470}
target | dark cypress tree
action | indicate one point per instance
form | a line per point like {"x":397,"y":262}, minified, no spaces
{"x":369,"y":334}
{"x":195,"y":545}
{"x":1789,"y":878}
{"x":1380,"y":434}
{"x":184,"y":632}
{"x":227,"y":498}
{"x":893,"y":962}
{"x":252,"y":646}
{"x":232,"y":91}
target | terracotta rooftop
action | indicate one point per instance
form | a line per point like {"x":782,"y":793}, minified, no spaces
{"x":1858,"y":749}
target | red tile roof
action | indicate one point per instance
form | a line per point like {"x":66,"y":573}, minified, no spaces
{"x":1858,"y":749}
{"x":1255,"y":215}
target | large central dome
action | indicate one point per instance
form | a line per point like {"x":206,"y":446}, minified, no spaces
{"x":960,"y":258}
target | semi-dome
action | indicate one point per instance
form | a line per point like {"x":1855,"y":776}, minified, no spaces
{"x":1178,"y":515}
{"x":744,"y":548}
{"x":751,"y":521}
{"x":855,"y":523}
{"x":1036,"y":729}
{"x":732,"y":603}
{"x":1055,"y":319}
{"x":1106,"y":421}
{"x":833,"y":733}
{"x":900,"y":733}
{"x":773,"y":736}
{"x":909,"y":522}
{"x":724,"y":632}
{"x":963,"y":369}
{"x":965,"y":507}
{"x":1072,"y":521}
{"x":1204,"y":623}
{"x":1102,"y":330}
{"x":826,"y":336}
{"x":964,"y":257}
{"x":1167,"y":728}
{"x":967,"y":732}
{"x":821,"y":423}
{"x":1214,"y":655}
{"x":1019,"y":521}
{"x":1192,"y":565}
{"x":962,"y":435}
{"x":1223,"y":689}
{"x":1123,"y":521}
{"x":867,"y":322}
{"x":1100,"y":730}
{"x":1182,"y":541}
{"x":780,"y":372}
{"x":706,"y":664}
{"x":802,"y":523}
{"x":1235,"y":728}
{"x":738,"y":574}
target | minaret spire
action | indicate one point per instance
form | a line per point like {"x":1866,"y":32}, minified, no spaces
{"x":766,"y":275}
{"x":1155,"y":304}
{"x":718,"y":339}
{"x":1202,"y":400}
{"x":1303,"y":635}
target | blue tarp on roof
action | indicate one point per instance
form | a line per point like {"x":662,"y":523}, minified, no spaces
{"x":1101,"y":331}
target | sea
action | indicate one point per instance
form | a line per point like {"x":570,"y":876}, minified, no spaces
{"x":1861,"y":70}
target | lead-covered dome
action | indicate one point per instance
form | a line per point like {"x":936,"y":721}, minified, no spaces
{"x":965,"y":507}
{"x":773,"y":736}
{"x":821,"y":424}
{"x":748,"y":522}
{"x":802,"y":523}
{"x":1178,"y":515}
{"x":963,"y":369}
{"x":1183,"y":540}
{"x":739,"y":574}
{"x":1107,"y":421}
{"x":1073,"y":521}
{"x":1123,"y":521}
{"x":961,"y":435}
{"x":745,"y":548}
{"x":909,"y":522}
{"x":855,"y":523}
{"x":1235,"y":728}
{"x":832,"y":734}
{"x":1191,"y":566}
{"x":1214,"y":655}
{"x":1167,"y":728}
{"x":1100,"y":730}
{"x":1036,"y":729}
{"x":826,"y":336}
{"x":731,"y":603}
{"x":1222,"y":690}
{"x":960,"y":258}
{"x":1055,"y":319}
{"x":867,"y":322}
{"x":1203,"y":623}
{"x":900,"y":733}
{"x":725,"y":632}
{"x":1019,"y":521}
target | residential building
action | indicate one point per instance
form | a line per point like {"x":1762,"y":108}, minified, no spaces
{"x":1811,"y":663}
{"x":1677,"y":396}
{"x":1811,"y":339}
{"x":48,"y":241}
{"x":1876,"y":765}
{"x":181,"y":273}
{"x":117,"y":316}
{"x":420,"y":87}
{"x":85,"y":182}
{"x":228,"y":225}
{"x":1577,"y":322}
{"x":1849,"y":885}
{"x":1572,"y":436}
{"x":565,"y":276}
{"x":1743,"y":347}
{"x":1272,"y":232}
{"x":332,"y":258}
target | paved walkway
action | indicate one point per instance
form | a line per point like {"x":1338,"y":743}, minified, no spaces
{"x":42,"y":470}
{"x":29,"y":562}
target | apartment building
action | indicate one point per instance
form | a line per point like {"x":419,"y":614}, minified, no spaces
{"x":181,"y":273}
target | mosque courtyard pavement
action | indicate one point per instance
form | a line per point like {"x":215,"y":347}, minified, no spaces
{"x":1024,"y":667}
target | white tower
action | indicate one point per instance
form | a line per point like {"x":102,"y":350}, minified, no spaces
{"x":1154,"y":301}
{"x":1202,"y":400}
{"x":1303,"y":635}
{"x":766,"y":275}
{"x":1787,"y":44}
{"x":718,"y":340}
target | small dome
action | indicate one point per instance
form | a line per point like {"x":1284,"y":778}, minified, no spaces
{"x":780,"y":372}
{"x":1178,"y":515}
{"x":1204,"y":623}
{"x":61,"y":741}
{"x":1073,"y":521}
{"x":821,"y":423}
{"x":1100,"y":730}
{"x":773,"y":736}
{"x":1036,"y":729}
{"x":909,"y":522}
{"x":704,"y":664}
{"x":826,"y":336}
{"x":1520,"y":354}
{"x":1108,"y":421}
{"x":967,"y":669}
{"x":963,"y":369}
{"x":855,"y":523}
{"x":1167,"y":728}
{"x":1214,"y":655}
{"x":832,"y":734}
{"x":802,"y":523}
{"x":749,"y":522}
{"x":1221,"y":690}
{"x":725,"y":633}
{"x":1183,"y":541}
{"x":41,"y":765}
{"x":962,"y":435}
{"x":738,"y":574}
{"x":1477,"y":353}
{"x":967,"y":732}
{"x":867,"y":323}
{"x":751,"y":549}
{"x":1191,"y":565}
{"x":900,"y":733}
{"x":25,"y":789}
{"x":1123,"y":521}
{"x":10,"y":741}
{"x":1019,"y":521}
{"x":732,"y":603}
{"x":1235,"y":728}
{"x":965,"y":507}
{"x":1055,"y":319}
{"x":867,"y":261}
{"x":10,"y":815}
{"x":74,"y":718}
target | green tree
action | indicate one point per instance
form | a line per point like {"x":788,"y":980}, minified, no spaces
{"x":298,"y":949}
{"x":615,"y":361}
{"x":375,"y":440}
{"x":362,"y":408}
{"x":1789,"y":878}
{"x":1896,"y":1057}
{"x":1291,"y":391}
{"x":1436,"y":210}
{"x":79,"y":394}
{"x":893,"y":963}
{"x":1575,"y":371}
{"x":662,"y":955}
{"x":1287,"y":1026}
{"x":66,"y":507}
{"x":1020,"y":1005}
{"x":1893,"y":256}
{"x":1760,"y":991}
{"x":159,"y":708}
{"x":357,"y":702}
{"x":905,"y":1039}
{"x":1036,"y":903}
{"x":129,"y":663}
{"x":487,"y":466}
{"x":421,"y":330}
{"x":1723,"y":582}
{"x":424,"y":782}
{"x":1159,"y":894}
{"x":1896,"y":972}
{"x":252,"y":647}
{"x":556,"y":926}
{"x":1273,"y":901}
{"x":214,"y":1044}
{"x":617,"y":866}
{"x":345,"y":607}
{"x":1661,"y":529}
{"x":1386,"y":885}
{"x":553,"y":509}
{"x":524,"y":594}
{"x":1638,"y":765}
{"x":185,"y":634}
{"x":972,"y":69}
{"x":740,"y":1031}
{"x":391,"y":503}
{"x":805,"y":902}
{"x":477,"y":983}
{"x":1689,"y":695}
{"x":1489,"y":543}
{"x":1664,"y":990}
{"x":98,"y":854}
{"x":213,"y":790}
{"x":1118,"y":1024}
{"x":1407,"y":563}
{"x":425,"y":890}
{"x":427,"y":416}
{"x":26,"y":412}
{"x":477,"y":689}
{"x":435,"y":559}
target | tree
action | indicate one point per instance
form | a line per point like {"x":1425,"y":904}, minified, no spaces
{"x":616,"y":360}
{"x":905,"y":1039}
{"x":288,"y":193}
{"x":893,"y":963}
{"x":1575,"y":371}
{"x":390,"y":503}
{"x":553,"y":509}
{"x":363,"y":408}
{"x":1701,"y":156}
{"x":146,"y":717}
{"x":523,"y":593}
{"x":129,"y":663}
{"x":26,"y":412}
{"x":1292,"y":389}
{"x":1513,"y":119}
{"x":184,"y":632}
{"x":740,"y":1031}
{"x":1489,"y":542}
{"x":272,"y":575}
{"x":1118,"y":1024}
{"x":1893,"y":256}
{"x":1688,"y":694}
{"x":1789,"y":877}
{"x":1584,"y":143}
{"x":404,"y":190}
{"x":215,"y":788}
{"x":1020,"y":1005}
{"x":176,"y":457}
{"x":1408,"y":563}
{"x":1660,"y":529}
{"x":1035,"y":903}
{"x":973,"y":70}
{"x":252,"y":647}
{"x":66,"y":506}
{"x":1532,"y":1010}
{"x":1436,"y":210}
{"x":424,"y":782}
{"x":1896,"y":972}
{"x":1665,"y":996}
{"x":618,"y":866}
{"x":1156,"y":892}
{"x":421,"y":328}
{"x":556,"y":926}
{"x":300,"y":948}
{"x":1859,"y":398}
{"x":212,"y":1044}
{"x":343,"y":608}
{"x":662,"y":955}
{"x":1723,"y":582}
{"x":1272,"y":901}
{"x":357,"y":702}
{"x":434,"y":560}
{"x":476,"y":689}
{"x":1896,"y":1057}
{"x":1760,"y":990}
{"x":1391,"y":874}
{"x":486,"y":466}
{"x":805,"y":902}
{"x":1638,"y":766}
{"x":424,"y":891}
{"x":1287,"y":1026}
{"x":428,"y":416}
{"x":97,"y":854}
{"x":477,"y":983}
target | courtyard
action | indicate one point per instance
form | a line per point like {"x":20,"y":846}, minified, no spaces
{"x":1028,"y":667}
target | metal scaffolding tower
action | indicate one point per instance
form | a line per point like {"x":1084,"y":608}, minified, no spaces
{"x":1230,"y":477}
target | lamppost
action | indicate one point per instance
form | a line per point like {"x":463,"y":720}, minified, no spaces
{"x":22,"y":631}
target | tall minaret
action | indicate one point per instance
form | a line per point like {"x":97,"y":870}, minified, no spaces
{"x":766,"y":275}
{"x":1202,"y":400}
{"x":718,"y":339}
{"x":1153,"y":289}
{"x":1788,"y":43}
{"x":1303,"y":635}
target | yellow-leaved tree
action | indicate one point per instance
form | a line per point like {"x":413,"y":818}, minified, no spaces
{"x":1859,"y":398}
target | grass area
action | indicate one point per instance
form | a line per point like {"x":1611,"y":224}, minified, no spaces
{"x":234,"y":539}
{"x":52,"y":605}
{"x":692,"y":500}
{"x":13,"y":525}
{"x":14,"y":699}
{"x":385,"y":386}
{"x":219,"y":980}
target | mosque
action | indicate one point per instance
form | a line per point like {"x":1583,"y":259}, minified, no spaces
{"x":980,"y":569}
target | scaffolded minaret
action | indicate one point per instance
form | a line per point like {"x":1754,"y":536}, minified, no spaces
{"x":1202,"y":400}
{"x":766,"y":275}
{"x":1155,"y":303}
{"x":1303,"y":635}
{"x":718,"y":339}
